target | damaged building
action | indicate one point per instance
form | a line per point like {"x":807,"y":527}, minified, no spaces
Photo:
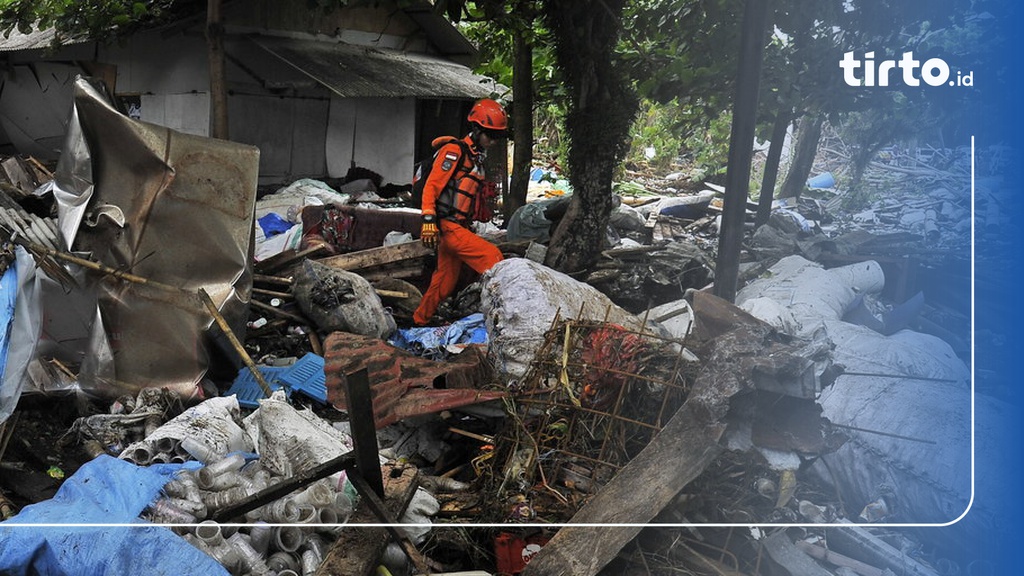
{"x":211,"y":378}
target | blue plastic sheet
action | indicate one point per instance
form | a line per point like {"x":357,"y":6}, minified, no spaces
{"x":8,"y":298}
{"x":272,"y":225}
{"x":103,"y":491}
{"x":433,"y":342}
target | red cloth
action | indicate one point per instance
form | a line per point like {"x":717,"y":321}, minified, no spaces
{"x":458,"y":245}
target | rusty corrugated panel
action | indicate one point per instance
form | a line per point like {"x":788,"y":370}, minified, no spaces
{"x":352,"y":71}
{"x":402,"y":384}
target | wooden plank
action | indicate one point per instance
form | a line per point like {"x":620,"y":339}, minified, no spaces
{"x":790,"y":558}
{"x":677,"y":455}
{"x":857,"y":542}
{"x":286,"y":259}
{"x":836,"y":559}
{"x":376,"y":256}
{"x":357,"y":551}
{"x":687,"y":444}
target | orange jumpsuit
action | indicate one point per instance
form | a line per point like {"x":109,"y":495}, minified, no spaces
{"x":458,"y":244}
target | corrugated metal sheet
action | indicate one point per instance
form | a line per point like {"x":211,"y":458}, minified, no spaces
{"x":35,"y":40}
{"x":364,"y":72}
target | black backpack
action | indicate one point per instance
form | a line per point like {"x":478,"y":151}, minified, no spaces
{"x":421,"y":171}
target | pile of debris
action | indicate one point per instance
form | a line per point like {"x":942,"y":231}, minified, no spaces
{"x":258,"y":401}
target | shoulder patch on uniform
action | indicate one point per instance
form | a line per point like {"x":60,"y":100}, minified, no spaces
{"x":451,"y":156}
{"x":447,"y":164}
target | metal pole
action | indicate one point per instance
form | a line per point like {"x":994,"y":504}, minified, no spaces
{"x":364,"y":430}
{"x":741,"y":143}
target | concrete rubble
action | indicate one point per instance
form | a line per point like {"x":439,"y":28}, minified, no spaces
{"x":833,"y":391}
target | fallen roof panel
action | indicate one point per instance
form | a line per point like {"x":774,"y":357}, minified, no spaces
{"x":365,"y":72}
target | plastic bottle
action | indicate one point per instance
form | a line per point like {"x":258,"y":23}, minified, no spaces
{"x":250,"y":558}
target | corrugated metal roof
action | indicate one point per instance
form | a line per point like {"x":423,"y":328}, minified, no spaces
{"x":363,"y":72}
{"x":34,"y":40}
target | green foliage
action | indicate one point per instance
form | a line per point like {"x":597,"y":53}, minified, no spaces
{"x":657,"y":127}
{"x":709,"y":148}
{"x":96,"y":19}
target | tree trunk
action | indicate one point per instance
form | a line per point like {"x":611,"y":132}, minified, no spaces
{"x":218,"y":82}
{"x":522,"y":122}
{"x":771,"y":167}
{"x":807,"y":138}
{"x":600,"y":112}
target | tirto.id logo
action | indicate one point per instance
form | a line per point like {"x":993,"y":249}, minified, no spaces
{"x":934,"y":71}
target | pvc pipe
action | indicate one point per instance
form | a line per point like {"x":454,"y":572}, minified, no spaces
{"x":283,"y":561}
{"x":152,"y":422}
{"x":251,"y":559}
{"x":317,"y":545}
{"x":260,"y":535}
{"x":329,"y":517}
{"x":208,"y":475}
{"x":287,"y":573}
{"x":218,"y":500}
{"x":281,"y":512}
{"x":142,"y":455}
{"x":194,"y":507}
{"x":342,"y":506}
{"x":310,"y":562}
{"x":161,"y":458}
{"x":226,"y":555}
{"x":307,"y":514}
{"x":166,"y":444}
{"x":208,"y":532}
{"x":287,"y":538}
{"x":94,"y":448}
{"x":318,"y":495}
{"x":161,"y":511}
{"x":183,"y":486}
{"x":222,"y":481}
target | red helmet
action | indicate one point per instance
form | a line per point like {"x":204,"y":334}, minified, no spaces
{"x":488,"y":115}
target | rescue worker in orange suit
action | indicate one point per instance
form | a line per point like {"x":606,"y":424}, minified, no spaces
{"x":452,"y":193}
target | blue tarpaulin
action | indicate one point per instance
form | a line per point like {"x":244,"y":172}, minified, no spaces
{"x":103,"y":491}
{"x":433,"y":342}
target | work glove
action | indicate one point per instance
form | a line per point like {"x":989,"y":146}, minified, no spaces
{"x":429,"y":234}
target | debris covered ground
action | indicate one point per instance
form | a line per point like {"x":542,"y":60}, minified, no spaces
{"x":833,"y":392}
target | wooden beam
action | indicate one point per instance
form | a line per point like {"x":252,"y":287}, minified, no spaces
{"x":376,"y":256}
{"x":687,"y":444}
{"x":790,"y":558}
{"x":271,"y":493}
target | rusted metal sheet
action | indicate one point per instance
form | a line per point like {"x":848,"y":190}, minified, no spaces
{"x":402,"y":384}
{"x":170,"y":207}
